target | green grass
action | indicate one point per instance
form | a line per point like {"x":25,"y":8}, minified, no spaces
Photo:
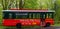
{"x":56,"y":25}
{"x":2,"y":27}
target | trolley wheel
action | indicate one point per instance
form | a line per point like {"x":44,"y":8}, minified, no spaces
{"x":47,"y":25}
{"x":18,"y":26}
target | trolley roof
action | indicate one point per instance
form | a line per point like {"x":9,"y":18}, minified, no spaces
{"x":28,"y":10}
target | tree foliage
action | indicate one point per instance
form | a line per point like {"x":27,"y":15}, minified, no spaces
{"x":7,"y":4}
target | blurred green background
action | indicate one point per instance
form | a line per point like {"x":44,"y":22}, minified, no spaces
{"x":32,"y":4}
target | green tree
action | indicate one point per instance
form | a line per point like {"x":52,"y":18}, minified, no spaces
{"x":7,"y":4}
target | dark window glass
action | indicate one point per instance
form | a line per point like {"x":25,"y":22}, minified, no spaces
{"x":5,"y":15}
{"x":34,"y":15}
{"x":21,"y":15}
{"x":50,"y":15}
{"x":43,"y":15}
{"x":30,"y":15}
{"x":10,"y":15}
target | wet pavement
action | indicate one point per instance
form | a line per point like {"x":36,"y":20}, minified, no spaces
{"x":58,"y":27}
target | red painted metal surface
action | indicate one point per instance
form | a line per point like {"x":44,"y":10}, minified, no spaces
{"x":26,"y":22}
{"x":50,"y":20}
